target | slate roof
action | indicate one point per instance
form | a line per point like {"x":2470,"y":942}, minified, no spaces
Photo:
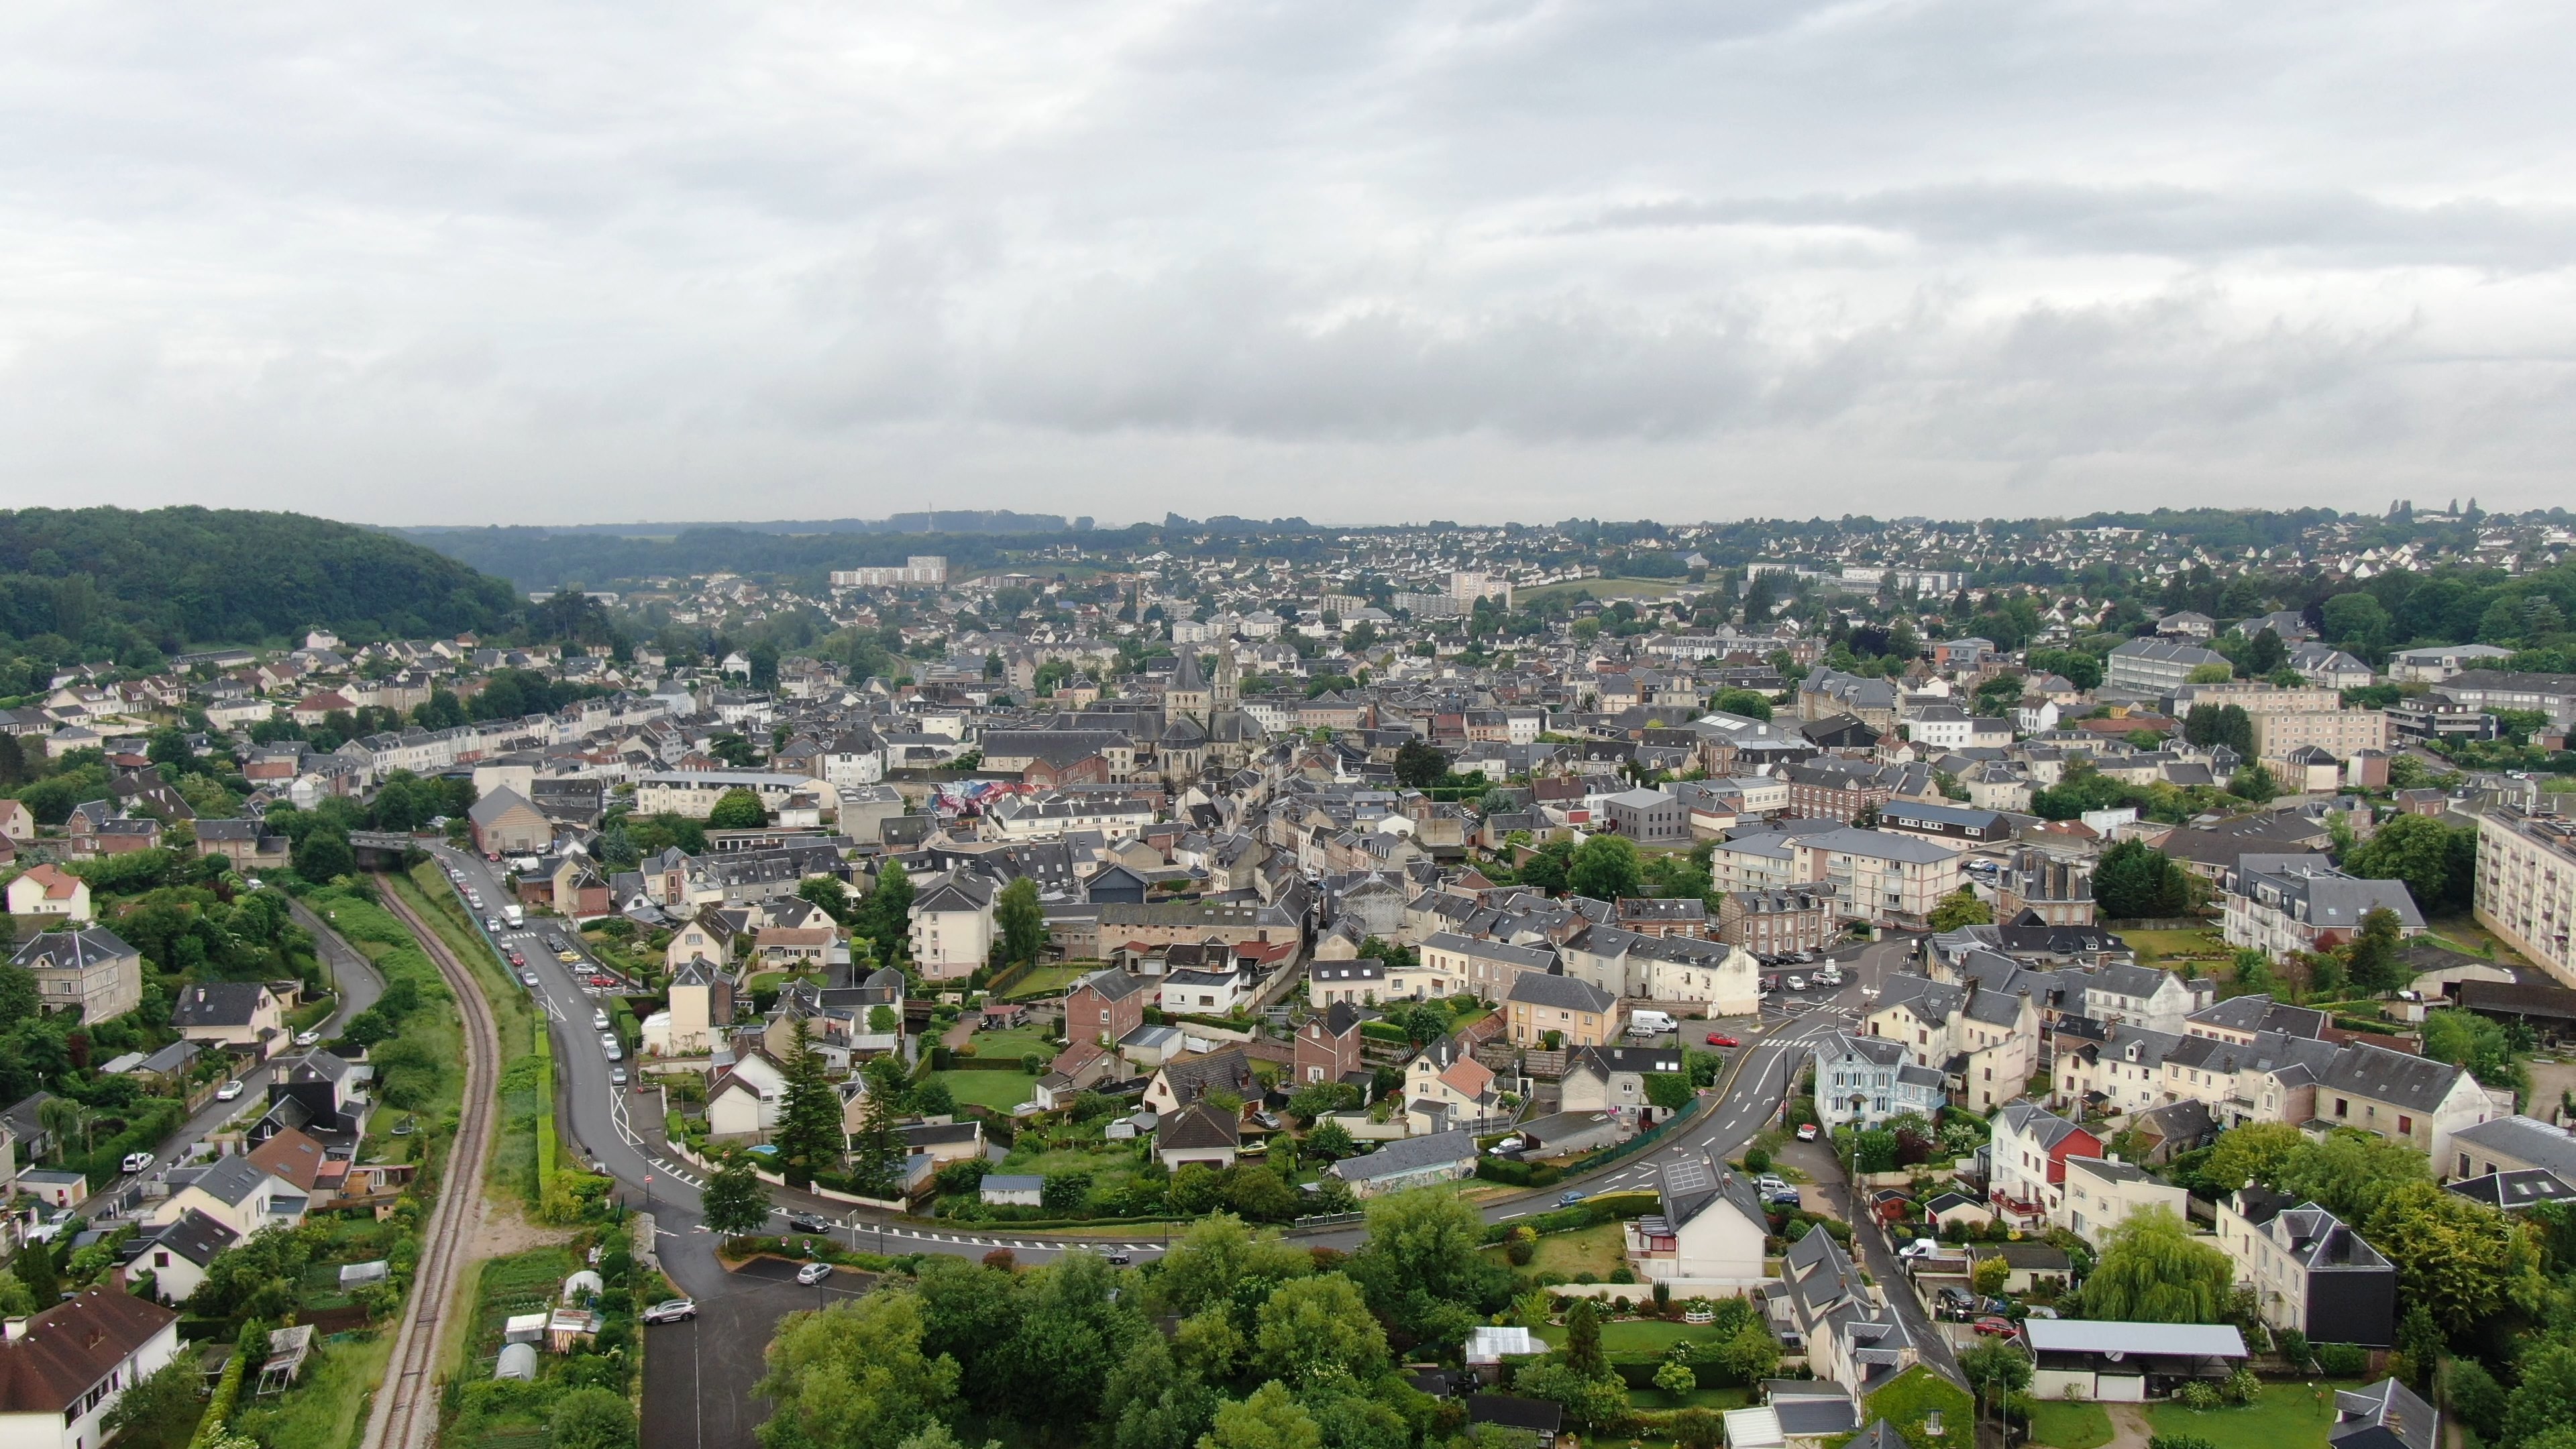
{"x":1407,"y":1154}
{"x":2385,"y":1415}
{"x":195,"y":1237}
{"x":1564,"y":993}
{"x":1199,"y":1126}
{"x":2392,"y":1077}
{"x":217,"y":1003}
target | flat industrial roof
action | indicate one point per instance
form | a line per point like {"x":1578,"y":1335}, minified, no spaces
{"x":2191,"y":1340}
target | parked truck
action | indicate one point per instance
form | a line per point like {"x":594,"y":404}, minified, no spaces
{"x":514,"y":916}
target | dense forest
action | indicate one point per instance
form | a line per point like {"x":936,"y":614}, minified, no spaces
{"x":541,"y":558}
{"x":134,"y":586}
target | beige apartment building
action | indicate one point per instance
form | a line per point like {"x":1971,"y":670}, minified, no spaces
{"x":2527,"y":886}
{"x":2342,"y":733}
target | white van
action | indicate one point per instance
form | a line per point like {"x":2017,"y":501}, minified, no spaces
{"x":1648,"y":1023}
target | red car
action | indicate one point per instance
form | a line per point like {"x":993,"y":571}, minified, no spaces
{"x":1716,"y":1038}
{"x":517,"y":959}
{"x":1996,"y":1327}
{"x":1806,"y":1131}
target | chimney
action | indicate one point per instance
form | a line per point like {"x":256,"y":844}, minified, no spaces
{"x":13,"y":1329}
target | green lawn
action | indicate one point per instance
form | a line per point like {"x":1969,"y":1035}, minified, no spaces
{"x":2069,"y":1426}
{"x":2461,"y":931}
{"x":1656,"y":1400}
{"x":1000,"y":1091}
{"x":1595,"y":1250}
{"x":1049,"y":981}
{"x":1636,"y":1338}
{"x":1010,"y":1046}
{"x":2285,"y":1417}
{"x":2155,"y":946}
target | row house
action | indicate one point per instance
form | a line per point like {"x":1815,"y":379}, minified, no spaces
{"x":1486,"y":968}
{"x":1780,"y":919}
{"x":1712,"y":977}
{"x":2281,"y":905}
{"x":2026,"y":1158}
{"x":1984,"y":1041}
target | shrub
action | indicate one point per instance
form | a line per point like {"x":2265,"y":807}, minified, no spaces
{"x":2198,"y":1395}
{"x":1002,"y":1258}
{"x":2293,"y":1345}
{"x":1757,"y":1159}
{"x":2179,"y":1441}
{"x":2342,"y":1360}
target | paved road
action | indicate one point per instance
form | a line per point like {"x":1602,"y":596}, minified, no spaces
{"x":717,"y":1358}
{"x":358,"y":985}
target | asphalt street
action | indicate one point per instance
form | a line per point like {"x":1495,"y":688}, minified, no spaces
{"x":699,"y":1374}
{"x":358,"y":986}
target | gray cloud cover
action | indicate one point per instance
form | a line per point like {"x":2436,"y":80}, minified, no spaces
{"x":546,"y":262}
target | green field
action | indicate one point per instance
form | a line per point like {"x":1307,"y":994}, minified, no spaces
{"x":2069,"y":1425}
{"x":1000,"y":1091}
{"x":2287,"y":1416}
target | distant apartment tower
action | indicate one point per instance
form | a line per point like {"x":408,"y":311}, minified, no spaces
{"x":1468,"y":587}
{"x":2526,"y":888}
{"x":920,"y":568}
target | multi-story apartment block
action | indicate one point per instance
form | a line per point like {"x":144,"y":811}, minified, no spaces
{"x":2156,"y":666}
{"x":917,"y":569}
{"x":1781,"y":919}
{"x":1887,"y":878}
{"x":2342,"y":733}
{"x":2526,"y":886}
{"x":2280,"y":904}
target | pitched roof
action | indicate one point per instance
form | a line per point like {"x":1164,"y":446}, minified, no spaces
{"x":72,"y":1346}
{"x":1199,"y":1126}
{"x":217,"y":1003}
{"x":1407,"y":1154}
{"x":195,"y":1237}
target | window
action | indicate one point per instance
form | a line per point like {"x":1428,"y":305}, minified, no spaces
{"x":2405,"y":1126}
{"x":2343,"y":1107}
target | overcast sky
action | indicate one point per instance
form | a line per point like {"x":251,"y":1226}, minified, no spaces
{"x":538,"y":262}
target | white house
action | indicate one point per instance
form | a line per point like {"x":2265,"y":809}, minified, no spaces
{"x":952,"y":924}
{"x":1708,"y":1235}
{"x":50,"y":890}
{"x":2101,"y":1193}
{"x":1864,"y":1080}
{"x":62,"y":1371}
{"x":234,"y":1193}
{"x":1205,"y":993}
{"x":747,"y":1099}
{"x":177,"y":1255}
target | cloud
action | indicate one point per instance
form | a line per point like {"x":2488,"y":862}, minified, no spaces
{"x":1473,"y":259}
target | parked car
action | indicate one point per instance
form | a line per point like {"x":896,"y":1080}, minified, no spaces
{"x":1506,"y":1147}
{"x":1955,"y":1304}
{"x":456,"y":875}
{"x":518,"y":959}
{"x":137,"y":1161}
{"x":528,"y":978}
{"x":1806,"y":1131}
{"x":1121,"y":1259}
{"x":2038,"y":1310}
{"x":599,"y":1018}
{"x":568,"y":956}
{"x":1829,"y":975}
{"x":1994,"y":1327}
{"x":1721,"y":1039}
{"x":308,"y":1038}
{"x":608,"y":1047}
{"x":492,"y":925}
{"x":813,"y":1273}
{"x":1919,"y":1248}
{"x":617,"y":1076}
{"x":229,"y":1091}
{"x":809,"y":1223}
{"x":1797,"y":983}
{"x":671,"y":1310}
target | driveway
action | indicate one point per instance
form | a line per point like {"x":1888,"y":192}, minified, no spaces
{"x":358,"y":984}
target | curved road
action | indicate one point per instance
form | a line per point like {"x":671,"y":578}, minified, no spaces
{"x":722,"y":1348}
{"x":358,"y":985}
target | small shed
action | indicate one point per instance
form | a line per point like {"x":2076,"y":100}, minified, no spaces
{"x":287,"y":1350}
{"x":1007,"y":1189}
{"x":582,"y":1282}
{"x":523,"y":1328}
{"x":570,"y":1328}
{"x":518,"y":1361}
{"x":354,"y":1275}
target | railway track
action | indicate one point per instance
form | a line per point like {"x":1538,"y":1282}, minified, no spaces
{"x":405,"y":1414}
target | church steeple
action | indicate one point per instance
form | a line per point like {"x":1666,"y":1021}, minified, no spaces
{"x":1229,"y":678}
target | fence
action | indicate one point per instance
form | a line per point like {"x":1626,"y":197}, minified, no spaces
{"x":1645,"y":1139}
